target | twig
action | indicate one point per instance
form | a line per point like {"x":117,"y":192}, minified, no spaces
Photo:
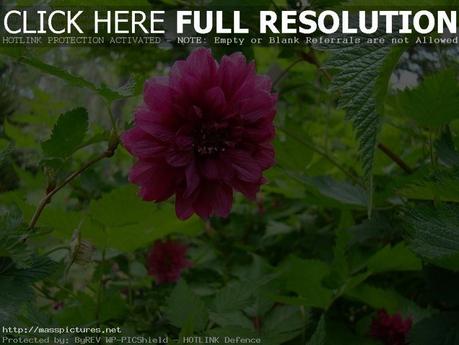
{"x":112,"y":119}
{"x":394,"y":157}
{"x":284,"y":72}
{"x":311,"y":58}
{"x":47,"y":198}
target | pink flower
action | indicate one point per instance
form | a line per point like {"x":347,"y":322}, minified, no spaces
{"x":390,"y":329}
{"x":202,"y":133}
{"x":167,"y":260}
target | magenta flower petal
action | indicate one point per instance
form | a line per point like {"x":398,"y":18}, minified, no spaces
{"x":144,"y":172}
{"x":215,"y":101}
{"x":202,"y":133}
{"x":183,"y":205}
{"x":158,"y":95}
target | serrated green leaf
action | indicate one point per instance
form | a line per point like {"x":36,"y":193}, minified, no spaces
{"x":341,"y":192}
{"x":74,"y":80}
{"x":397,"y":258}
{"x":437,"y":186}
{"x":446,"y":150}
{"x":305,"y":278}
{"x":68,"y":133}
{"x":16,"y":284}
{"x":62,"y":222}
{"x":376,"y":297}
{"x":185,"y":308}
{"x":363,"y":73}
{"x":434,"y":234}
{"x":233,"y":297}
{"x":12,"y":249}
{"x":14,"y":294}
{"x":282,"y":324}
{"x":231,"y":319}
{"x":83,"y":308}
{"x":122,"y":220}
{"x":433,"y":103}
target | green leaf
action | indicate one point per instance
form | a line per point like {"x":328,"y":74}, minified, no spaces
{"x":12,"y":248}
{"x":14,"y":294}
{"x":16,"y":284}
{"x":277,"y":228}
{"x":231,"y":319}
{"x":436,"y":186}
{"x":84,"y":306}
{"x":433,"y":103}
{"x":233,"y":297}
{"x":434,"y":234}
{"x":282,"y":324}
{"x":122,"y":220}
{"x":362,"y":81}
{"x":305,"y":278}
{"x":102,"y":90}
{"x":377,"y":298}
{"x":68,"y":133}
{"x":341,"y":192}
{"x":446,"y":150}
{"x":21,"y":138}
{"x":319,"y":335}
{"x":398,"y":258}
{"x":62,"y":222}
{"x":185,"y":308}
{"x":339,"y":272}
{"x":290,"y":154}
{"x":441,"y":329}
{"x":237,"y":295}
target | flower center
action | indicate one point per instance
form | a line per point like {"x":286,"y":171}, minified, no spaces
{"x":210,"y":139}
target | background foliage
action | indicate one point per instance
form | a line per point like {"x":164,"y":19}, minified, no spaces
{"x":304,"y":265}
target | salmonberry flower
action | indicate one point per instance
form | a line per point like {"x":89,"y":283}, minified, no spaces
{"x":202,"y":133}
{"x":166,"y":261}
{"x":390,"y":329}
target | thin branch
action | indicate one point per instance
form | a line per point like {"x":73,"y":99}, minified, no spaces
{"x":47,"y":198}
{"x":284,"y":72}
{"x":112,"y":118}
{"x":395,"y":158}
{"x":311,"y":58}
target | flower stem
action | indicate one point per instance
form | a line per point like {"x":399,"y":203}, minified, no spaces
{"x":394,"y":157}
{"x":112,"y":119}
